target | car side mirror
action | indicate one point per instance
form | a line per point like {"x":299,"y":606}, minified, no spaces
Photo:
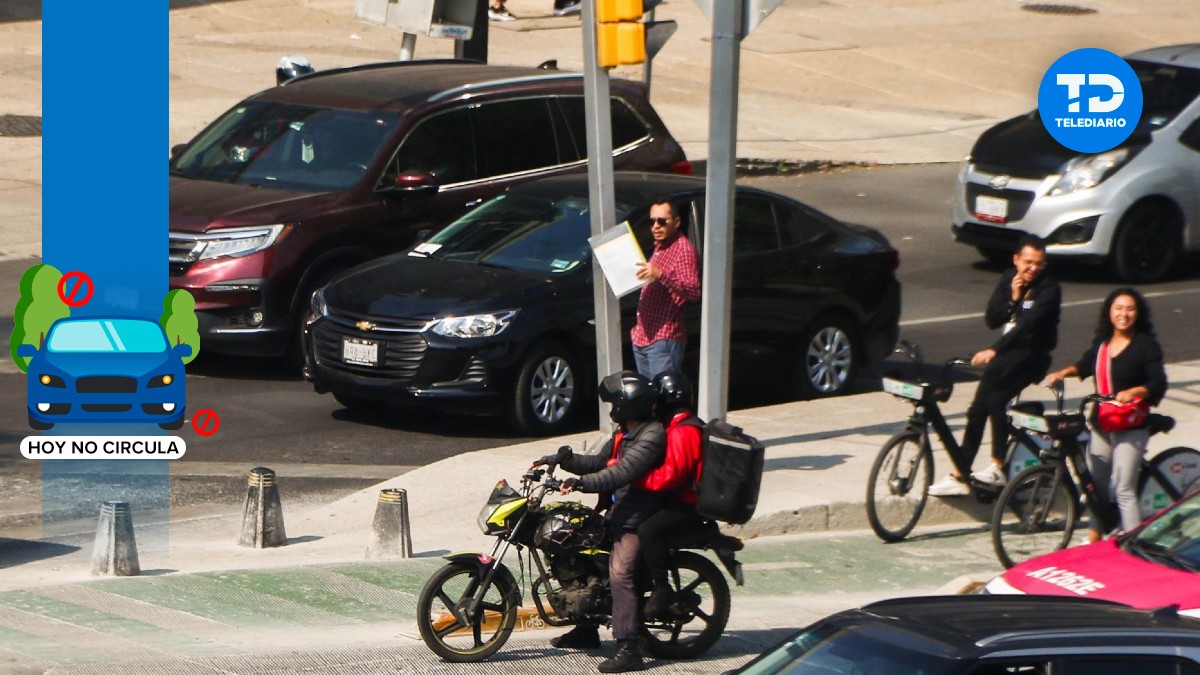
{"x":27,"y":350}
{"x":415,"y":183}
{"x":182,"y":351}
{"x":176,"y":150}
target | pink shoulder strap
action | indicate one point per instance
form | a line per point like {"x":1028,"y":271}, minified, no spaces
{"x":1103,"y":384}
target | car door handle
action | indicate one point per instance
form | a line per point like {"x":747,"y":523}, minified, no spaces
{"x":473,"y":203}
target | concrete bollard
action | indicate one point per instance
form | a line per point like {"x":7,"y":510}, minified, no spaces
{"x":391,"y":535}
{"x":115,"y":550}
{"x":262,"y":515}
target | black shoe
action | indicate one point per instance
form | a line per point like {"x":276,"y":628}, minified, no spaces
{"x":568,"y":8}
{"x":659,"y":603}
{"x":579,"y":637}
{"x":627,"y":658}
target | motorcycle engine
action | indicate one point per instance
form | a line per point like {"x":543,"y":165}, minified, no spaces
{"x":583,"y":591}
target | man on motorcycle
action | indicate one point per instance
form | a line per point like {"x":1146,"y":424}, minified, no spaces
{"x":636,"y":447}
{"x":676,"y":479}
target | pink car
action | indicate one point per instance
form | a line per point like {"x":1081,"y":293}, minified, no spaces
{"x":1156,"y":565}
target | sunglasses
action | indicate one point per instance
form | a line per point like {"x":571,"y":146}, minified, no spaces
{"x":661,"y":221}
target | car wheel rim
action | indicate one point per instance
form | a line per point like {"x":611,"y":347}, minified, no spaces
{"x":552,"y":390}
{"x":828,"y":361}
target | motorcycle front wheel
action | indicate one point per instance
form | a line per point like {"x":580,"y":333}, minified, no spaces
{"x":481,"y":632}
{"x":700,"y":611}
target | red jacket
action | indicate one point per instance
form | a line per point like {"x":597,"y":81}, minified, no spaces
{"x":683,"y":463}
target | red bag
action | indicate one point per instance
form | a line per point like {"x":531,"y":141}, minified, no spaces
{"x":1110,"y":415}
{"x":680,"y":463}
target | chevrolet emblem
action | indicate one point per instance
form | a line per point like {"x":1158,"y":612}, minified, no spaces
{"x":365,"y":325}
{"x":999,"y":181}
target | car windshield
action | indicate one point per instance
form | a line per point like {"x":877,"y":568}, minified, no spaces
{"x":1166,"y":90}
{"x":1173,"y":537}
{"x":849,"y":650}
{"x":535,"y":234}
{"x":107,"y":335}
{"x":287,"y":146}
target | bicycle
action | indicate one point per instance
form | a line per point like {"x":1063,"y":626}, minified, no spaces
{"x":898,"y":485}
{"x":1039,"y":509}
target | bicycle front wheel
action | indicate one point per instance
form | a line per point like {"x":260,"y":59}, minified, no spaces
{"x":1034,"y":515}
{"x":1172,"y":474}
{"x":898,"y":486}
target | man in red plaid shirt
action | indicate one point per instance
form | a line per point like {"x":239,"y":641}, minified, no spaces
{"x":673,"y":276}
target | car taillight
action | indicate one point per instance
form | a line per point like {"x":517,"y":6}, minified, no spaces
{"x":683,"y":168}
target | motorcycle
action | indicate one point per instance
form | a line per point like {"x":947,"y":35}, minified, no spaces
{"x":467,"y":610}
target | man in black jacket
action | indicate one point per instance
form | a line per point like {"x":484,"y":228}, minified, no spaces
{"x":1026,"y":303}
{"x":638,"y":446}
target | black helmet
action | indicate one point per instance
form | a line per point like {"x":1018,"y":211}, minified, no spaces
{"x":674,"y":392}
{"x":291,"y":66}
{"x":630,"y":395}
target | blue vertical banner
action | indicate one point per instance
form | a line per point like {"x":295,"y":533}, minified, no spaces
{"x":104,"y":213}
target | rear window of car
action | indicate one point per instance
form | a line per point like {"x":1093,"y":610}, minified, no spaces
{"x":627,"y":126}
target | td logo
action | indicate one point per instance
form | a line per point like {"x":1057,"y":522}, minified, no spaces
{"x":1090,"y":100}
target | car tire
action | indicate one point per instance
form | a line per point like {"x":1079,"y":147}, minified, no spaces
{"x":293,"y":358}
{"x":547,"y":393}
{"x":828,"y":358}
{"x":1147,"y":244}
{"x":359,"y":403}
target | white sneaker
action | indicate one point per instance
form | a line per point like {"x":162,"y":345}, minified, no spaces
{"x":991,"y":475}
{"x":950,"y":486}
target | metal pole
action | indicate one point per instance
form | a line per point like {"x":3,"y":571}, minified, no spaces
{"x":718,"y":209}
{"x":601,"y":195}
{"x":408,"y":45}
{"x":648,"y":64}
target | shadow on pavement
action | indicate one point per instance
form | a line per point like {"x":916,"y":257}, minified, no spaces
{"x":15,"y":552}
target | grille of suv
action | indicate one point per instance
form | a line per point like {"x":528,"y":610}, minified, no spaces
{"x":401,"y":346}
{"x":180,"y":247}
{"x":1018,"y":200}
{"x":106,"y":385}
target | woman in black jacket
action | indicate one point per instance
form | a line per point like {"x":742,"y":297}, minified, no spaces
{"x":1136,"y":372}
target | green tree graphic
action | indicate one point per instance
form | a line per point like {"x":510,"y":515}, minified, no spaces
{"x":179,"y":321}
{"x":39,"y":307}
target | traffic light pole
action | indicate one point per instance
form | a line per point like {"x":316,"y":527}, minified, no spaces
{"x":718,"y":208}
{"x":601,"y":196}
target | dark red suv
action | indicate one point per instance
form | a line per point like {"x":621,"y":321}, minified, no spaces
{"x":328,"y":170}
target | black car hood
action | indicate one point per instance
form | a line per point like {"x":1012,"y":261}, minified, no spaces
{"x":1020,"y":146}
{"x":196,"y":205}
{"x":411,"y":287}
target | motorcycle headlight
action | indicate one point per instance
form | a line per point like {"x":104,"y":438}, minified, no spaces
{"x":474,"y":325}
{"x":1088,"y":171}
{"x":237,"y":241}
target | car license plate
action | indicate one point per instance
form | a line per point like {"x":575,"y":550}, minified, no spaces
{"x":360,"y":352}
{"x":991,"y":209}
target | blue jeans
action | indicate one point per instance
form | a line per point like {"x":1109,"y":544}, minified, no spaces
{"x":659,"y":356}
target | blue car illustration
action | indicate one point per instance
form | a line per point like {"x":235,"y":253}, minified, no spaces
{"x":105,"y":370}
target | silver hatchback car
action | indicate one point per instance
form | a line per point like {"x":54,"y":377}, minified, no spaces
{"x":1135,"y":208}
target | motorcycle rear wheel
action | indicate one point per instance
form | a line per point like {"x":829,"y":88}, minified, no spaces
{"x":484,"y":632}
{"x":701,"y":608}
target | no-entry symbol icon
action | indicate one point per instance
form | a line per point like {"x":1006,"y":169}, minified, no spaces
{"x":206,"y":422}
{"x":76,"y":288}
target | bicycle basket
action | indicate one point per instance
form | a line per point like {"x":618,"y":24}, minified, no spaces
{"x":903,"y":389}
{"x":1067,"y":425}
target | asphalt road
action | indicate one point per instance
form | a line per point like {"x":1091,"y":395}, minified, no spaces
{"x":272,"y":419}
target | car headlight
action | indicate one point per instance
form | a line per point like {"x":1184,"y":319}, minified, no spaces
{"x":317,"y":307}
{"x":52,"y":381}
{"x":474,"y":325}
{"x":1088,"y":171}
{"x":160,"y":381}
{"x":237,"y":241}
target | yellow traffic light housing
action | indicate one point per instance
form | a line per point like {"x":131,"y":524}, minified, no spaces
{"x":620,"y":36}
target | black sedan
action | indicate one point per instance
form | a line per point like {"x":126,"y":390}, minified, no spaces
{"x":493,"y":314}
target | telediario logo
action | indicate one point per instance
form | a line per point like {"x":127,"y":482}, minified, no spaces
{"x":1090,"y":100}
